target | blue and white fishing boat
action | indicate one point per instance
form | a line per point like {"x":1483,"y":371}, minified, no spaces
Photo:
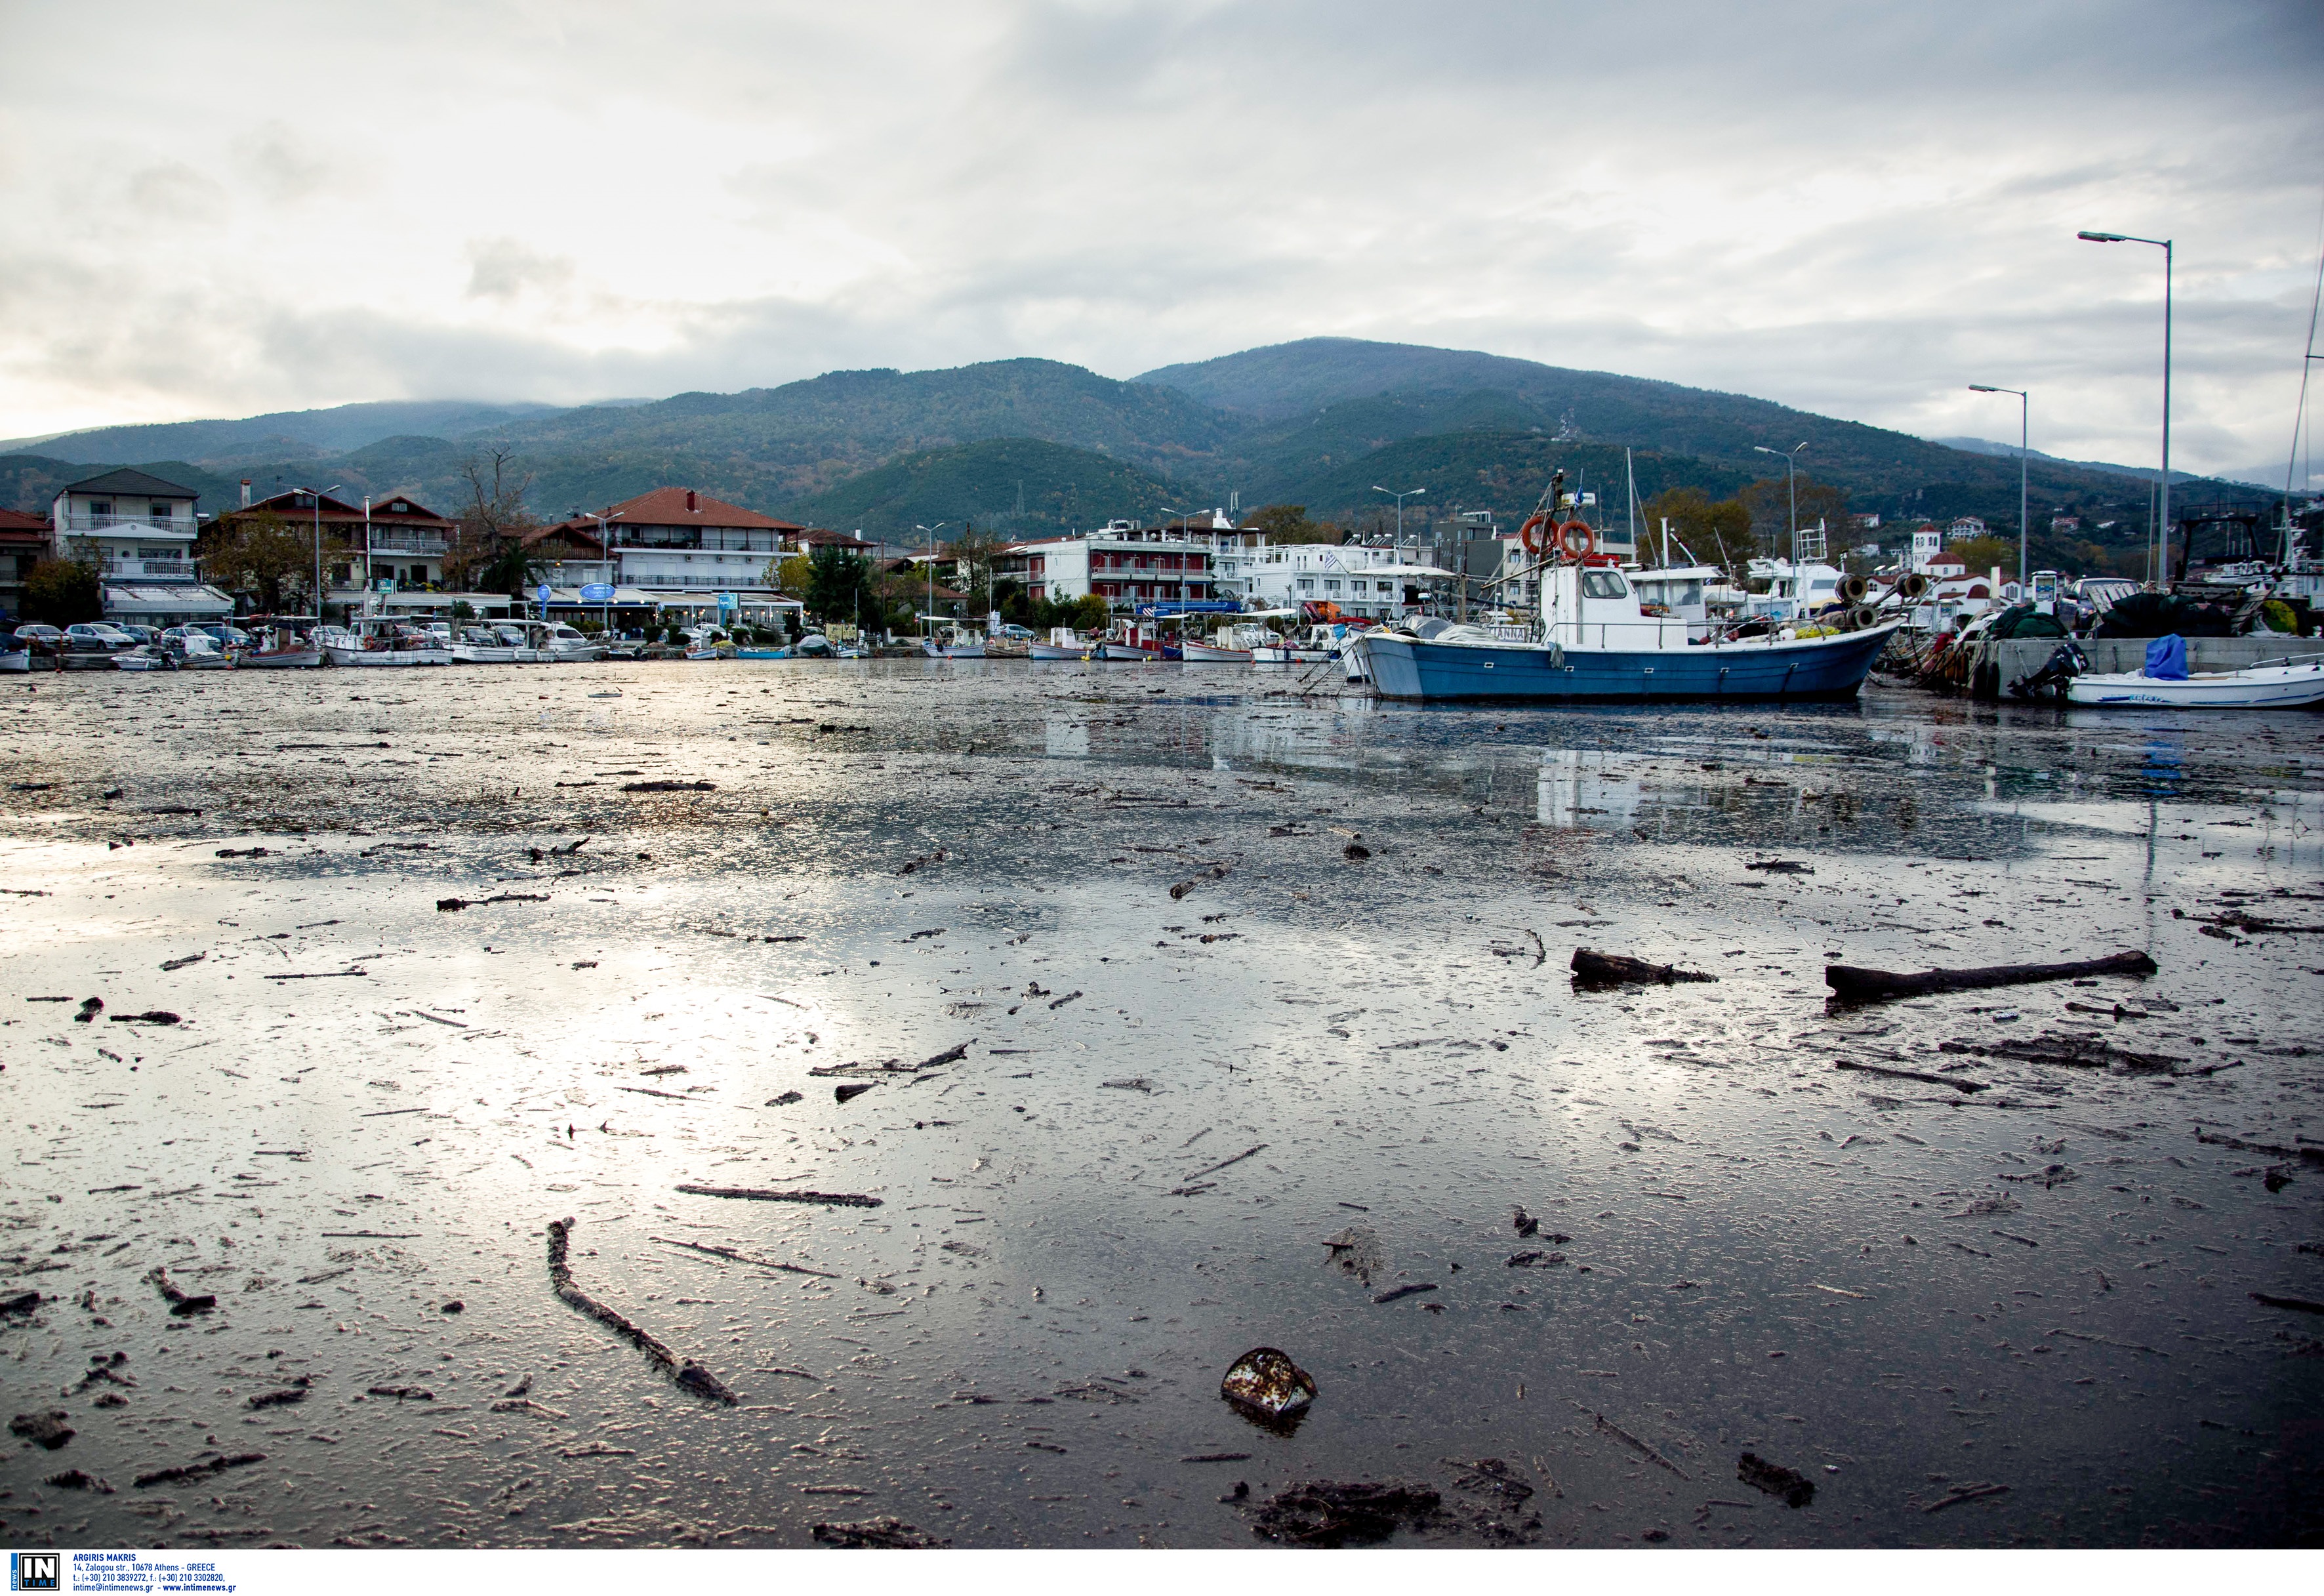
{"x":1595,"y":642}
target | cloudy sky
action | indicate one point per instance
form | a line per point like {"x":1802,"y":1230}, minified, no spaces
{"x":227,"y":209}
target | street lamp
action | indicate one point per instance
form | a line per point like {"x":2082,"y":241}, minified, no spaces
{"x":932,"y":532}
{"x":1791,"y":459}
{"x":317,"y":495}
{"x":2163,"y":519}
{"x":2024,"y":411}
{"x":1399,"y":499}
{"x":605,"y":548}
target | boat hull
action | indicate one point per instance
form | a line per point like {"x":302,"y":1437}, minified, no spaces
{"x":1114,"y":650}
{"x":1056,"y":651}
{"x":1211,"y":654}
{"x":1818,"y":668}
{"x":2261,"y":686}
{"x":380,"y":659}
{"x":20,"y":659}
{"x":286,"y":660}
{"x":483,"y":654}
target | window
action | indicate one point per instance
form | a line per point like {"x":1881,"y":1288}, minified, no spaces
{"x":1603,"y":584}
{"x":160,"y":512}
{"x":100,"y":507}
{"x":1331,"y":587}
{"x":400,"y":508}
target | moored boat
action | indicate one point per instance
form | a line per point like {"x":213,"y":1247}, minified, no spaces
{"x":2294,"y":683}
{"x":1063,"y":643}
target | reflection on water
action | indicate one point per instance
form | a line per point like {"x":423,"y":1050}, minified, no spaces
{"x":1198,"y":1035}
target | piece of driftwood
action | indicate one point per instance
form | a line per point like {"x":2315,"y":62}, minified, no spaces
{"x":1854,"y":983}
{"x":1913,"y":1075}
{"x":759,"y":1195}
{"x":1614,"y":969}
{"x":687,"y":1373}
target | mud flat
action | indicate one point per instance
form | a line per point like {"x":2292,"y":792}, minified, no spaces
{"x":1068,"y":1036}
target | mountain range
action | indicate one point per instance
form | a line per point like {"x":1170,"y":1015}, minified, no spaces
{"x":1031,"y":445}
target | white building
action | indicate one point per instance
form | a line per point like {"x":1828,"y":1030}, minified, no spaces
{"x":1125,"y":565}
{"x":673,"y":548}
{"x":139,"y":530}
{"x":1964,"y":528}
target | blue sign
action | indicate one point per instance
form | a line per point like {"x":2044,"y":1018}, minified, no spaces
{"x":542,"y":594}
{"x":725,"y":603}
{"x":597,"y":592}
{"x":1191,"y":606}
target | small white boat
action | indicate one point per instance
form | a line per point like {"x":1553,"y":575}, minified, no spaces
{"x":375,"y":643}
{"x":956,"y":643}
{"x":1065,"y":644}
{"x":1202,"y":653}
{"x":17,"y":659}
{"x":2291,"y":684}
{"x":138,"y":658}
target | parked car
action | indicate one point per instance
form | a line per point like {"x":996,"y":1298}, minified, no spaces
{"x":103,"y":634}
{"x":40,"y":633}
{"x":1013,"y":632}
{"x":142,"y":634}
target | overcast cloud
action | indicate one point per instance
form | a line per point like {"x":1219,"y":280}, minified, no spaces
{"x":222,"y":209}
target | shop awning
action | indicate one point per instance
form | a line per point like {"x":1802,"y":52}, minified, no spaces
{"x":178,"y":599}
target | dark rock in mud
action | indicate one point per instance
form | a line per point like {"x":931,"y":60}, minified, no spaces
{"x":1356,"y":1251}
{"x":47,"y":1430}
{"x":1613,"y":969}
{"x":1795,"y":1490}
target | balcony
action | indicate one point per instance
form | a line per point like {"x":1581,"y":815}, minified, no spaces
{"x":84,"y":523}
{"x":148,"y":570}
{"x":391,"y":540}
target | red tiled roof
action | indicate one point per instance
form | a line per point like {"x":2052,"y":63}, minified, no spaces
{"x":823,"y":537}
{"x":17,"y":520}
{"x":333,"y":509}
{"x":383,"y":506}
{"x":581,"y":534}
{"x":684,"y":507}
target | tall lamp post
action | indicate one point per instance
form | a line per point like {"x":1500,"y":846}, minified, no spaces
{"x":2024,"y":413}
{"x":932,"y":532}
{"x":1399,"y":499}
{"x":317,"y":495}
{"x":2163,"y":519}
{"x":605,"y":550}
{"x":1791,"y":459}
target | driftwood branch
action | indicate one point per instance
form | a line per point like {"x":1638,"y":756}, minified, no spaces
{"x":687,"y":1373}
{"x":1852,"y":983}
{"x":1613,"y":969}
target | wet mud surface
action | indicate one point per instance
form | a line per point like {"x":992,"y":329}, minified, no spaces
{"x":1166,"y":1017}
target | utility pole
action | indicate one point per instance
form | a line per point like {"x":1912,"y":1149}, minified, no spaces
{"x":2163,"y":519}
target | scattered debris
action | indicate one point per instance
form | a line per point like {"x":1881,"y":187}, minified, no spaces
{"x":1356,"y":1251}
{"x":1634,"y":1444}
{"x":191,"y":958}
{"x":2296,"y":1304}
{"x":669,"y":787}
{"x":1336,"y":1513}
{"x":693,"y":1376}
{"x":1955,"y":1081}
{"x":731,"y":1254}
{"x":1135,"y":1084}
{"x":1606,"y":969}
{"x":1781,"y":867}
{"x":454,"y":905}
{"x":1964,"y":1493}
{"x":296,"y":1391}
{"x":892,"y":1535}
{"x":854,"y":1089}
{"x":181,"y":1303}
{"x":78,"y":1480}
{"x":1852,"y":983}
{"x":150,"y":1017}
{"x":1403,"y":1291}
{"x":201,"y":1471}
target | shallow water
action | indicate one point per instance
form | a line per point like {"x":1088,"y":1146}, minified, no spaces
{"x":1847,"y":1274}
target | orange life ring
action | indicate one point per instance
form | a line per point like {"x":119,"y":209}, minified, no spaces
{"x":1531,"y":537}
{"x":1576,"y":540}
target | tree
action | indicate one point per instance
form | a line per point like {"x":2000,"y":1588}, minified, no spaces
{"x":1717,"y":532}
{"x":63,"y":593}
{"x":1980,"y":555}
{"x":267,"y":556}
{"x":971,"y":555}
{"x":835,"y":583}
{"x":488,"y":553}
{"x":1288,"y":524}
{"x":789,"y":573}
